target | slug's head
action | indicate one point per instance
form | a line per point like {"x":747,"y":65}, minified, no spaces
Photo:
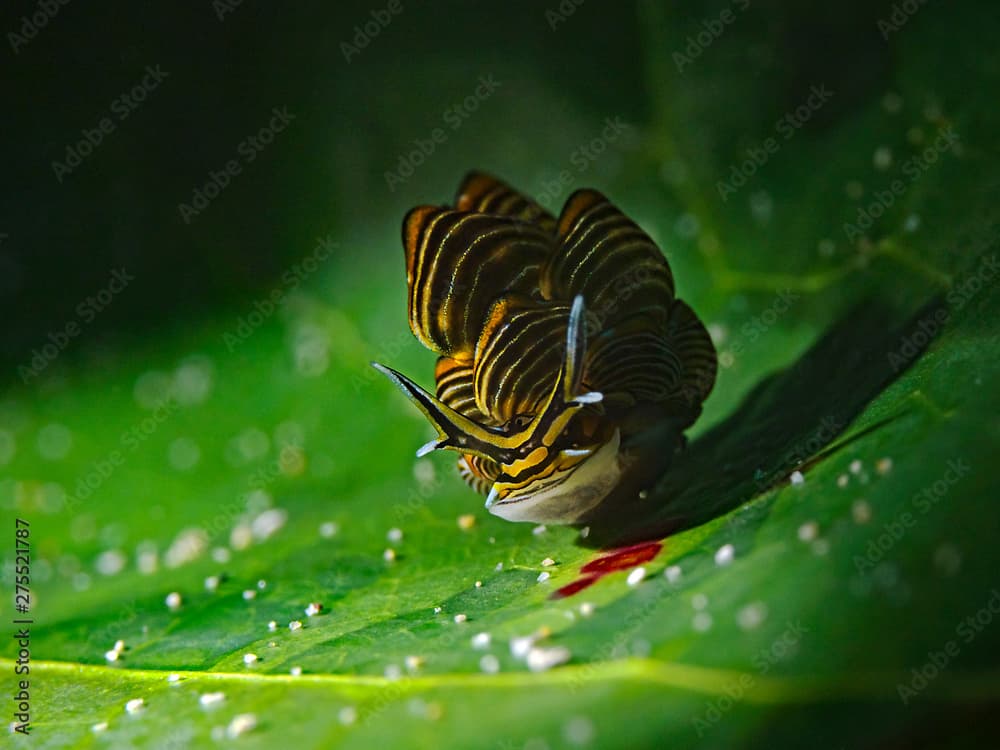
{"x":541,"y":456}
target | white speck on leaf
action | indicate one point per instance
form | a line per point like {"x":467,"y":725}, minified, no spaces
{"x":268,"y":523}
{"x":489,"y":664}
{"x":519,"y":647}
{"x":240,"y":725}
{"x":752,"y":615}
{"x":211,"y":699}
{"x":579,"y":730}
{"x":541,"y":659}
{"x":725,"y":554}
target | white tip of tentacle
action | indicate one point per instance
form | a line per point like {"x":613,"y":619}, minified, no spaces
{"x":594,"y":397}
{"x":492,"y":497}
{"x":426,"y":448}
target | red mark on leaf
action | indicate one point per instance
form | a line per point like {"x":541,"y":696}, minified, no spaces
{"x":620,"y":559}
{"x":571,"y":588}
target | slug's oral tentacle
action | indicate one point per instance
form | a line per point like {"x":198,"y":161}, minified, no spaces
{"x":576,"y":350}
{"x":455,"y":431}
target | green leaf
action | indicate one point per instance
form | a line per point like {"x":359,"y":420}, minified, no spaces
{"x":780,"y":604}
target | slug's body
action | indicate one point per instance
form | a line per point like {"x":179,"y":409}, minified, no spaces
{"x":561,"y":346}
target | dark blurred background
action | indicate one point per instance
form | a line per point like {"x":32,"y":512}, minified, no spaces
{"x":562,"y":69}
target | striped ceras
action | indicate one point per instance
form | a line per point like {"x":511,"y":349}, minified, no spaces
{"x":561,"y":345}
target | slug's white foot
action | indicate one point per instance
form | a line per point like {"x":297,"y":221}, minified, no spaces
{"x":570,"y":500}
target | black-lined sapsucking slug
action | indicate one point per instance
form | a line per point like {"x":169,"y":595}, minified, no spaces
{"x":561,"y":347}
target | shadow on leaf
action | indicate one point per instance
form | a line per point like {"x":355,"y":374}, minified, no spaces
{"x":789,"y":421}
